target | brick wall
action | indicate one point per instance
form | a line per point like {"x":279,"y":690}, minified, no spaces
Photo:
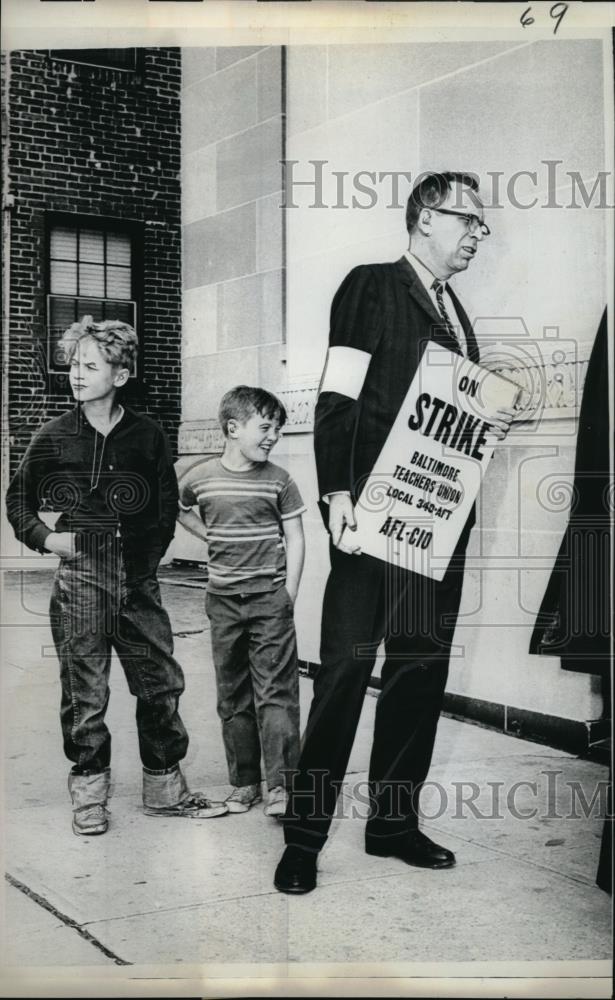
{"x":96,"y":142}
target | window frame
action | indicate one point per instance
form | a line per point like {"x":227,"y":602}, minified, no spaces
{"x":77,"y":221}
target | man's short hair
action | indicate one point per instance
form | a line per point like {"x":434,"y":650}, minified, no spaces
{"x":117,"y":341}
{"x":244,"y":401}
{"x":431,"y":190}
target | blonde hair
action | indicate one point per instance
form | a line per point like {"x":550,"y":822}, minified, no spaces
{"x":117,"y":341}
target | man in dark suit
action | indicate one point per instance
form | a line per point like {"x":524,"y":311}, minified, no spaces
{"x":382,"y":317}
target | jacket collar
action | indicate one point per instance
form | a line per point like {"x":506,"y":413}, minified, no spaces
{"x":408,"y":276}
{"x":416,"y":288}
{"x":473,"y":351}
{"x":81,"y":424}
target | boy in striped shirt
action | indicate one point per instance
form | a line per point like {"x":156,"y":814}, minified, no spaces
{"x":250,"y":516}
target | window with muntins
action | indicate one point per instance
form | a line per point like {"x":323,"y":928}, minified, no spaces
{"x":90,"y":272}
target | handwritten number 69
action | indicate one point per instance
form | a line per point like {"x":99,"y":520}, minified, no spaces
{"x":557,"y":12}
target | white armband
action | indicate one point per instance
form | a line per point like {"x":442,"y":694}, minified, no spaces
{"x":345,"y":371}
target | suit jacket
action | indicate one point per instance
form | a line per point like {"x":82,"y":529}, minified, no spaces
{"x":575,"y":619}
{"x":383,"y":311}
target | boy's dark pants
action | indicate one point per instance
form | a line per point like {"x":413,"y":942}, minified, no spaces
{"x":255,"y":658}
{"x":95,"y":608}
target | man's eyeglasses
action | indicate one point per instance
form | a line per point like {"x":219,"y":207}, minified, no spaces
{"x":472,"y":221}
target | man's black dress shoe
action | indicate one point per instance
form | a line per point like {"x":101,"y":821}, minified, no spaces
{"x":413,"y":847}
{"x":296,"y":872}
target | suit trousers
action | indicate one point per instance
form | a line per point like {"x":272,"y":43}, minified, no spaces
{"x":366,"y":601}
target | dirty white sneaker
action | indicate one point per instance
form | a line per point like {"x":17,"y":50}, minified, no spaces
{"x":89,"y":794}
{"x":193,"y":806}
{"x":243,"y":798}
{"x":166,"y":793}
{"x":277,"y":800}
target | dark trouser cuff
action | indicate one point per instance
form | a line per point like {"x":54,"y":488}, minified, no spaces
{"x":303,"y":839}
{"x":377,"y":829}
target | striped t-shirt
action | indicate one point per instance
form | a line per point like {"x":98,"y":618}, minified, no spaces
{"x":243,"y":514}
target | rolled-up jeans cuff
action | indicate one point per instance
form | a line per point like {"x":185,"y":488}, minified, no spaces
{"x":86,"y":772}
{"x":165,"y":770}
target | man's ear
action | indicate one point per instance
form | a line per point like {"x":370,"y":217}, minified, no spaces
{"x":424,"y":221}
{"x":231,"y":427}
{"x":121,"y":377}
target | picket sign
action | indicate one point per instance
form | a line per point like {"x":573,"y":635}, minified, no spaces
{"x":414,"y":505}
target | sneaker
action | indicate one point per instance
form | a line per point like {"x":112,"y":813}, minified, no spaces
{"x":243,"y":798}
{"x":89,"y":794}
{"x":193,"y":806}
{"x":277,"y":800}
{"x":166,"y":793}
{"x":90,"y":820}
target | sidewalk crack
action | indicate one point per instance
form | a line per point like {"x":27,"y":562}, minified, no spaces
{"x":81,"y":931}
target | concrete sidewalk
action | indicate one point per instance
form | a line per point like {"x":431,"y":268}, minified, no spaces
{"x":184,"y":893}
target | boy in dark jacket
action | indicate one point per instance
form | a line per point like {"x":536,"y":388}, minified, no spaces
{"x":109,"y":471}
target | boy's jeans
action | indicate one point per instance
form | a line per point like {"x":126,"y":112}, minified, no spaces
{"x":93,"y":609}
{"x":255,"y":657}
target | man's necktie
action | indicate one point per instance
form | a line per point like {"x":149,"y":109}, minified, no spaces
{"x":438,"y":287}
